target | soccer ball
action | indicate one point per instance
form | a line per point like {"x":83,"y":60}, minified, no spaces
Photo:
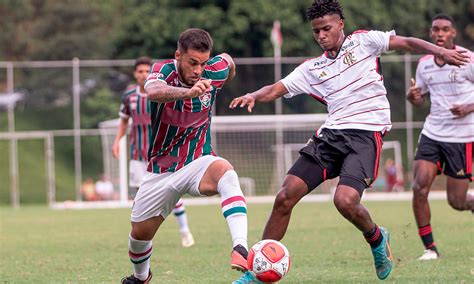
{"x":269,"y":260}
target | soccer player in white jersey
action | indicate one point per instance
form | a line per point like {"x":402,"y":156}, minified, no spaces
{"x":347,"y":78}
{"x":181,"y":92}
{"x":446,"y":140}
{"x":135,"y":106}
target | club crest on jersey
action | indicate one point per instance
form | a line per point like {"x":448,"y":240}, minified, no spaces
{"x":453,"y":75}
{"x":349,"y":58}
{"x":205,"y":100}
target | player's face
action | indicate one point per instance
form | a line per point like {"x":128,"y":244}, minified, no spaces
{"x":327,"y":31}
{"x":191,"y":65}
{"x":442,"y":33}
{"x":141,"y":72}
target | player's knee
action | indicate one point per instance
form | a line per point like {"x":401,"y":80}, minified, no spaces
{"x":284,"y":202}
{"x":456,"y":203}
{"x":420,"y":190}
{"x":344,"y":204}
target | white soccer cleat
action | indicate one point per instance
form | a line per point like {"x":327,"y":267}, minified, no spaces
{"x":429,"y":255}
{"x":187,"y":239}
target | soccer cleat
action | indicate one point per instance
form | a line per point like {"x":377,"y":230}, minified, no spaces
{"x":247,"y":278}
{"x":238,"y":258}
{"x":429,"y":255}
{"x":134,"y":280}
{"x":383,"y":256}
{"x":187,"y":239}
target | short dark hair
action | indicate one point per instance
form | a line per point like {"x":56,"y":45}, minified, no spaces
{"x":320,"y":8}
{"x":196,"y":39}
{"x":443,"y":16}
{"x":143,"y":60}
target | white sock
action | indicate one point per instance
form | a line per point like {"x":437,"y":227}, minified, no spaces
{"x":234,"y":207}
{"x":140,"y":253}
{"x":179,"y":212}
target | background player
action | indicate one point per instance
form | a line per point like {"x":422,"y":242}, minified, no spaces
{"x":347,"y":78}
{"x":135,"y":105}
{"x":448,"y":133}
{"x":181,"y":160}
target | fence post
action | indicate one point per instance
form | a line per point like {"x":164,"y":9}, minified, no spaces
{"x":51,"y":184}
{"x":14,"y":183}
{"x":76,"y":91}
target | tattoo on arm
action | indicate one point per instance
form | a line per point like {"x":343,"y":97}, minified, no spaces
{"x":162,"y":93}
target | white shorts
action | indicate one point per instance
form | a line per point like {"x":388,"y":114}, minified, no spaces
{"x":159,"y":193}
{"x":136,"y":172}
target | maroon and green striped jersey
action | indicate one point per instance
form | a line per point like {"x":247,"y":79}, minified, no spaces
{"x":181,"y":129}
{"x":135,"y":105}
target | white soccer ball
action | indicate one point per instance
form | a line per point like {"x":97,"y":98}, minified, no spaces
{"x":269,"y":260}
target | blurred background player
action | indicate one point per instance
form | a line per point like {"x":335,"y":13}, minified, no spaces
{"x":181,"y":93}
{"x":104,"y":188}
{"x":347,"y":79}
{"x":393,"y":176}
{"x":135,"y":105}
{"x":446,"y":140}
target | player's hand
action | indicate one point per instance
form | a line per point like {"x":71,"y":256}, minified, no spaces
{"x":414,"y":94}
{"x":116,"y":149}
{"x":455,"y":57}
{"x":459,"y":111}
{"x":199,"y":88}
{"x":245,"y":100}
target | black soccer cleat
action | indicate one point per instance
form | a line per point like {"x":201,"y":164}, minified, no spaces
{"x":134,"y":280}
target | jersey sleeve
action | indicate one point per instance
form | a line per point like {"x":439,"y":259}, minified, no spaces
{"x":158,"y":72}
{"x":297,"y":82}
{"x":420,"y":83}
{"x":124,"y":111}
{"x":470,"y":72}
{"x":377,"y":42}
{"x":218,"y":70}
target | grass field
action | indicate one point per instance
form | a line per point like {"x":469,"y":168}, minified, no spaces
{"x":39,"y":245}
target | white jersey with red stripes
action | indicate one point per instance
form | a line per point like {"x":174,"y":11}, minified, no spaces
{"x":350,"y":84}
{"x":447,"y":85}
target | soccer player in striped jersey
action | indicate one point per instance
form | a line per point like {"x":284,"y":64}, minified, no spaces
{"x":446,"y":140}
{"x":347,"y":79}
{"x":135,"y":105}
{"x":181,"y":160}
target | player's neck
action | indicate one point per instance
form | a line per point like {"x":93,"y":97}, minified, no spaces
{"x":333,"y":52}
{"x":142,"y":89}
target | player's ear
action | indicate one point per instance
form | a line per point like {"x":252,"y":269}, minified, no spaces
{"x":177,"y":54}
{"x":341,"y":24}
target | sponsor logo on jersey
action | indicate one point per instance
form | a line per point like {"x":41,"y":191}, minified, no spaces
{"x":323,"y":74}
{"x":428,"y":66}
{"x":350,"y":44}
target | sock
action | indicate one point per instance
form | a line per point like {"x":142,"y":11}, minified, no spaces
{"x":426,"y":235}
{"x":234,"y":207}
{"x":374,"y":237}
{"x":179,"y":212}
{"x":140,"y":252}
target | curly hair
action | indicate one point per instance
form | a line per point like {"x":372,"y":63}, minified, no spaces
{"x":196,"y":39}
{"x":320,"y":8}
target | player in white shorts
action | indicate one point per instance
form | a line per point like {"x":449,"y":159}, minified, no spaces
{"x":348,"y":80}
{"x":181,"y":160}
{"x":446,"y":141}
{"x":135,"y":106}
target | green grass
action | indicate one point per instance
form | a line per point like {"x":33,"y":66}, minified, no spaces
{"x":39,"y":245}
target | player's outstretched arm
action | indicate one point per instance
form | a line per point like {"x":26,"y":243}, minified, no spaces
{"x":268,"y":93}
{"x":416,"y":45}
{"x":160,"y":92}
